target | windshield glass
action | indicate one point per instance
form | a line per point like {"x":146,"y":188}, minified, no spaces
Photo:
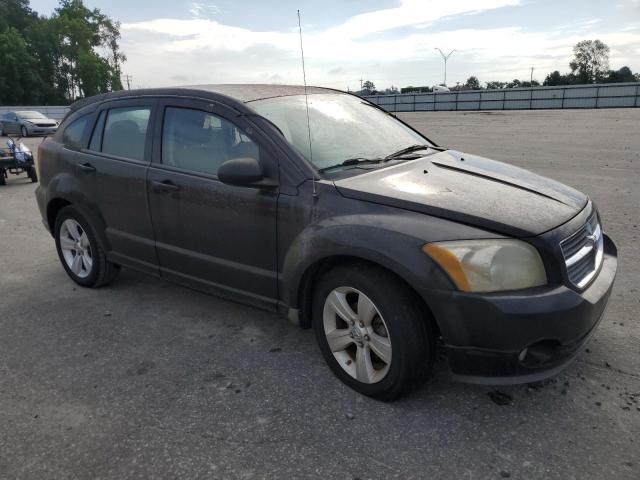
{"x":342,"y":127}
{"x":32,"y":115}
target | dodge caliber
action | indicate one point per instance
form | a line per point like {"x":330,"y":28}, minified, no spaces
{"x":325,"y":208}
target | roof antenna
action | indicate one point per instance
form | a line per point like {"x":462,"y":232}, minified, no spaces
{"x":306,"y":100}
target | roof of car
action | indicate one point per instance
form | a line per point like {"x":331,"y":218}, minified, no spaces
{"x":242,"y":93}
{"x":251,"y":92}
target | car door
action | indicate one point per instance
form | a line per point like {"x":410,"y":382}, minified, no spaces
{"x":10,"y":123}
{"x":111,"y":172}
{"x":210,"y":235}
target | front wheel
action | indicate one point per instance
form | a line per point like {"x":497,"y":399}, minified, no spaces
{"x":372,"y":330}
{"x":81,"y":253}
{"x":24,"y":132}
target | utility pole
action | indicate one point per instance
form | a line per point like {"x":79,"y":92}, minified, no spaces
{"x":531,"y":80}
{"x":445,"y":58}
{"x":128,"y":78}
{"x":361,"y":83}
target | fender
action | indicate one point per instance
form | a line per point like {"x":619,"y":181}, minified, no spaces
{"x":392,"y":240}
{"x":65,"y":186}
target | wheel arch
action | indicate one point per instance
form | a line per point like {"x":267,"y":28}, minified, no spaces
{"x":310,"y":277}
{"x":53,"y":208}
{"x":55,"y":205}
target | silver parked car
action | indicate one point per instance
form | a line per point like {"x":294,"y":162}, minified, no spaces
{"x":26,"y":123}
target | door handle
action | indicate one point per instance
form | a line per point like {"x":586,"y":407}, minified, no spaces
{"x":86,"y":167}
{"x":165,"y":185}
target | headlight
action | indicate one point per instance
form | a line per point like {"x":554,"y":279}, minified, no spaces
{"x":489,"y":265}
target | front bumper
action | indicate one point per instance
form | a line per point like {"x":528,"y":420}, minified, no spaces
{"x":35,"y":130}
{"x":486,"y":334}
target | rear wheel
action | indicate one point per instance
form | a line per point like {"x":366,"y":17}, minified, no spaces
{"x":81,"y":253}
{"x":33,"y":175}
{"x":3,"y":177}
{"x":373,"y":331}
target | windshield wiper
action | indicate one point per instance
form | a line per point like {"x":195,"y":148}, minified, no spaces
{"x":352,"y":161}
{"x":411,"y":149}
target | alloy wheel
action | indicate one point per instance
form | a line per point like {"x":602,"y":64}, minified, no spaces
{"x":357,"y":334}
{"x":76,"y":248}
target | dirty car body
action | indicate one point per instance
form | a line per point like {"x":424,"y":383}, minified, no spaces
{"x":511,"y":270}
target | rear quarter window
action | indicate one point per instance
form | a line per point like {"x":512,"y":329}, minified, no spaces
{"x":74,"y":133}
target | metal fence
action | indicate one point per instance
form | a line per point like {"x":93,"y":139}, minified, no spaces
{"x":606,"y":95}
{"x":611,"y":95}
{"x":55,"y":112}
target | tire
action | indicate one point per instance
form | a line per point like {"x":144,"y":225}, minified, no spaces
{"x":409,"y":331}
{"x":1,"y":131}
{"x":33,"y":175}
{"x":3,"y":178}
{"x":94,"y":270}
{"x":24,"y":132}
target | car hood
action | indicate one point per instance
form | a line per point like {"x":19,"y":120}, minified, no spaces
{"x":42,"y":121}
{"x":472,"y":190}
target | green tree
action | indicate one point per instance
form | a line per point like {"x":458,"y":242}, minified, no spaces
{"x":73,"y":53}
{"x":495,"y":85}
{"x":19,"y":82}
{"x":590,"y":60}
{"x":16,"y":14}
{"x":623,"y":75}
{"x":472,"y":83}
{"x":45,"y":46}
{"x":368,"y":87}
{"x":555,"y":78}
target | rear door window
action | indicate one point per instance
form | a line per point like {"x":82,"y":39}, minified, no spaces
{"x":125,"y":132}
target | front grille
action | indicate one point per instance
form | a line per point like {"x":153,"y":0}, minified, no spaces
{"x":583,"y":252}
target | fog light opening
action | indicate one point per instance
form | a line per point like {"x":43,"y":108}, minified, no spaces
{"x":539,"y":353}
{"x":523,"y":354}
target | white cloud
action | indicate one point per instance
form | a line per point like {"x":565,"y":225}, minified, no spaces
{"x":203,"y":50}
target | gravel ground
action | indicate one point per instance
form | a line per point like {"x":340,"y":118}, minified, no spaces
{"x":148,"y":379}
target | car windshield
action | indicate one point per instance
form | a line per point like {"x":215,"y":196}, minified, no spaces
{"x":343,"y":127}
{"x":31,"y":115}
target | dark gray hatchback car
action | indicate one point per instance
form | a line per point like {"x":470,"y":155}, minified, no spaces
{"x":336,"y":214}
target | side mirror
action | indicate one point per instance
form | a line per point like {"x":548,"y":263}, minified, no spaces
{"x":245,"y":171}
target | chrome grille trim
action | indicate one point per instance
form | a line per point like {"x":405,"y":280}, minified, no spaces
{"x":583,"y":252}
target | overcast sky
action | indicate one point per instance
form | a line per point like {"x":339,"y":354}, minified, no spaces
{"x":391,"y":42}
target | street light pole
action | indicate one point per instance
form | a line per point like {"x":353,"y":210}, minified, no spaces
{"x":531,"y":81}
{"x":445,"y":58}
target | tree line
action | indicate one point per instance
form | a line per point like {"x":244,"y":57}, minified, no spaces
{"x":590,"y":64}
{"x":54,"y":60}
